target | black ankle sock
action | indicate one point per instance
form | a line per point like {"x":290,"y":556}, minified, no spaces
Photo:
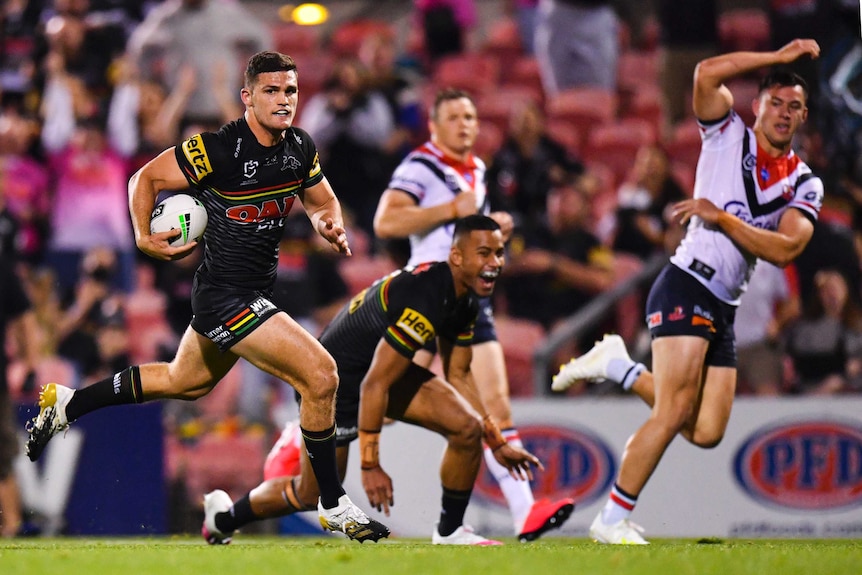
{"x":119,"y":389}
{"x":238,"y":515}
{"x":454,"y":506}
{"x":321,"y":452}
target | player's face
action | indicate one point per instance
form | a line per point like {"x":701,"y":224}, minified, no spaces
{"x":482,"y":256}
{"x":780,"y":111}
{"x":455,"y":126}
{"x":272,"y":100}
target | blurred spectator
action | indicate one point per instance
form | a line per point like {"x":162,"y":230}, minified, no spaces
{"x":526,"y":166}
{"x":770,"y":303}
{"x":577,"y":44}
{"x":562,"y":265}
{"x":16,"y":315}
{"x":352,"y":125}
{"x":91,"y":328}
{"x":90,"y":203}
{"x":8,"y":226}
{"x":400,"y":88}
{"x":641,"y":221}
{"x":23,"y":184}
{"x":19,"y":24}
{"x":525,"y":16}
{"x":214,"y":38}
{"x":688,"y":34}
{"x":825,"y":344}
{"x":445,"y":25}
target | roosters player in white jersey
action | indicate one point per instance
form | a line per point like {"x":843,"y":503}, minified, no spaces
{"x":436,"y":184}
{"x":753,"y":198}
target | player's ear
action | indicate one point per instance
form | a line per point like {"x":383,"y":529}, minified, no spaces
{"x":456,"y":256}
{"x":245,"y":96}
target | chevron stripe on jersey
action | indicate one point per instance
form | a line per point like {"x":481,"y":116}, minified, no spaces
{"x":742,"y":180}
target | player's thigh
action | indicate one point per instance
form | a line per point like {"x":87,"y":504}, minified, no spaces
{"x":197,"y":366}
{"x":713,"y":410}
{"x":677,"y":371}
{"x":428,"y":401}
{"x":284,"y":349}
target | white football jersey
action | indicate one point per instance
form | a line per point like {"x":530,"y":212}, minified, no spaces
{"x":432,"y":178}
{"x":738,"y":177}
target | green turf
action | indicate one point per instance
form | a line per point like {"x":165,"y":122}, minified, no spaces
{"x":308,"y":556}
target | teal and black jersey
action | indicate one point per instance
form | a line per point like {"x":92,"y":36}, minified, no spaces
{"x":248,"y":190}
{"x":407,"y":308}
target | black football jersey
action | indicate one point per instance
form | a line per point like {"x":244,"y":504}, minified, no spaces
{"x":248,"y":190}
{"x":408,"y":308}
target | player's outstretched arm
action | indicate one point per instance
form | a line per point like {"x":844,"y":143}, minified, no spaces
{"x":712,"y":100}
{"x":159,"y":174}
{"x":398,"y":216}
{"x":324,"y":211}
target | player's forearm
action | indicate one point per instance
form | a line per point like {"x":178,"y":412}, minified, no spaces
{"x":718,"y":69}
{"x":773,"y":246}
{"x":142,"y":198}
{"x":372,"y":406}
{"x":404,"y":221}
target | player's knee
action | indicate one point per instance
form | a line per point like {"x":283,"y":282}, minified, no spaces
{"x":323,"y":384}
{"x":467,"y":434}
{"x":707,"y":439}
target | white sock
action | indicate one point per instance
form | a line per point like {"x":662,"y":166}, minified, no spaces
{"x":624,"y":372}
{"x":618,"y":507}
{"x":518,"y":493}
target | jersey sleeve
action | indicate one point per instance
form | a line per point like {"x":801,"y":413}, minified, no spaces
{"x":201,"y":156}
{"x":313,"y":172}
{"x":410,"y":177}
{"x":723,"y":132}
{"x":414,"y":313}
{"x":808,"y":195}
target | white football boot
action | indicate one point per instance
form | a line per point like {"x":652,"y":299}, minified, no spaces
{"x":593,"y":364}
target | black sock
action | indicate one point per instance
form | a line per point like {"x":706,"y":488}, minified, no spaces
{"x":119,"y":389}
{"x":454,"y":506}
{"x":321,"y":452}
{"x":238,"y":515}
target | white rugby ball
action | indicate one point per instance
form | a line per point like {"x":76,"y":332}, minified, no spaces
{"x":180,"y":212}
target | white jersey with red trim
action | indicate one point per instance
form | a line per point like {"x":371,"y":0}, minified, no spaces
{"x":432,"y":178}
{"x":742,"y":179}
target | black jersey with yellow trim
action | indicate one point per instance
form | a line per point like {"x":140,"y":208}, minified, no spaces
{"x":248,"y":190}
{"x":408,"y":308}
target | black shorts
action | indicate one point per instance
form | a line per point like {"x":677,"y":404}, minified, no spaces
{"x":347,"y":400}
{"x":678,"y":304}
{"x":226,"y":315}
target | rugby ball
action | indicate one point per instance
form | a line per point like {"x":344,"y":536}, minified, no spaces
{"x":180,"y":212}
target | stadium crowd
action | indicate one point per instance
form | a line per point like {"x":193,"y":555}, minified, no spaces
{"x":90,"y":90}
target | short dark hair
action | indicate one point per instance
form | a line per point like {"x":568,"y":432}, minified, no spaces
{"x":476,"y":222}
{"x":783,"y":77}
{"x":447,"y":94}
{"x":267,"y":61}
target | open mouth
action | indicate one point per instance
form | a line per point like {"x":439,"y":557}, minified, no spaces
{"x":488,"y":278}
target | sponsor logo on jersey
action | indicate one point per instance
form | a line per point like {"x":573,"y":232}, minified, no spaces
{"x":654,"y":319}
{"x":415,"y":325}
{"x":810,"y":465}
{"x":357,"y":301}
{"x":290,"y":162}
{"x":196,"y":154}
{"x":249,"y":168}
{"x":252,"y":214}
{"x":676,"y":315}
{"x":578,"y":464}
{"x":699,"y":320}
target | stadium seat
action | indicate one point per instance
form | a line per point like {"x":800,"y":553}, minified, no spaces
{"x":646,"y":102}
{"x":293,"y":39}
{"x":488,"y":142}
{"x":567,"y":134}
{"x":503,"y":40}
{"x":496,"y":107}
{"x":615,"y":145}
{"x":348,"y":37}
{"x":744,"y":92}
{"x":360,"y":271}
{"x":522,"y":71}
{"x":230,"y":462}
{"x":473,"y":72}
{"x":585,"y":108}
{"x":519,"y":338}
{"x":684,"y":143}
{"x":744,"y":29}
{"x":636,"y":69}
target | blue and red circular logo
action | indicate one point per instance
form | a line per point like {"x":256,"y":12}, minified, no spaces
{"x":806,"y":465}
{"x":577,"y":464}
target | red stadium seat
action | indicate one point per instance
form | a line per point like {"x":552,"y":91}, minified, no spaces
{"x":585,"y":108}
{"x":488,"y":142}
{"x":473,"y":72}
{"x":519,"y":339}
{"x":684,"y":143}
{"x":293,"y":39}
{"x":348,"y":37}
{"x":496,"y":107}
{"x":636,"y":69}
{"x":744,"y":29}
{"x":616,"y":145}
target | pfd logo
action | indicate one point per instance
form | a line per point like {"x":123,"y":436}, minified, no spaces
{"x":806,"y":465}
{"x":577,"y":464}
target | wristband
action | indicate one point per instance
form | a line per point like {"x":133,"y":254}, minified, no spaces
{"x":369,"y":449}
{"x":491,"y":434}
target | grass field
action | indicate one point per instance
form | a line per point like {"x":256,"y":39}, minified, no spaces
{"x":310,"y":556}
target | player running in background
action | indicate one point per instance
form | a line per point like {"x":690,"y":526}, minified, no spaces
{"x":248,"y":175}
{"x":753,"y":198}
{"x":434,"y":185}
{"x":374,"y":339}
